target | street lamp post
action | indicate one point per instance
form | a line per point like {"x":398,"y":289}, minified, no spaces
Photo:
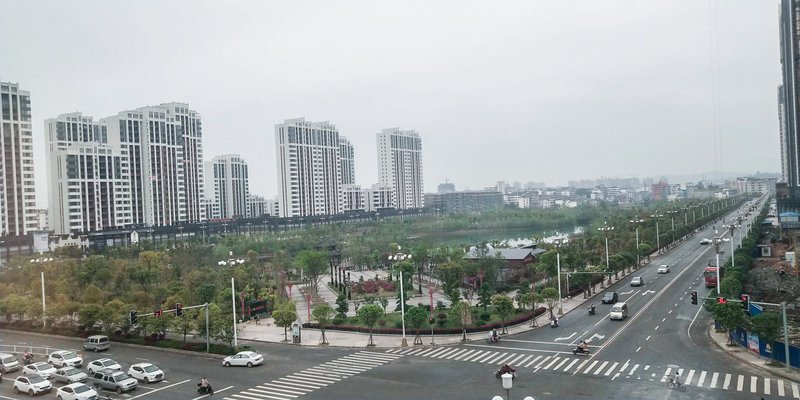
{"x":636,"y":221}
{"x":731,"y":227}
{"x":717,"y":242}
{"x":656,"y":217}
{"x":606,"y":229}
{"x":557,"y":243}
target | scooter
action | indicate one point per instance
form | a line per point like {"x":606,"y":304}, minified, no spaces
{"x":499,"y":373}
{"x":591,"y":310}
{"x":204,"y":389}
{"x":493,"y":339}
{"x":579,"y":350}
{"x":554,"y":323}
{"x":28,"y":359}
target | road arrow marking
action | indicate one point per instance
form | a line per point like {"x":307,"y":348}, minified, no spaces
{"x":565,"y":338}
{"x":648,"y":292}
{"x":598,"y":336}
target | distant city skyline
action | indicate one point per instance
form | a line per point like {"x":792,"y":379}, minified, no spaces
{"x":535,"y":91}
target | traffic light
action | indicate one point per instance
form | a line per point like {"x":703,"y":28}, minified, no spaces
{"x":132,"y":317}
{"x":694,"y":297}
{"x":158,"y":313}
{"x":746,"y":302}
{"x":178,"y":309}
{"x":722,"y":300}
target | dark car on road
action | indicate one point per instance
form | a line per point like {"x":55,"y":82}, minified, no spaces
{"x":610,"y":298}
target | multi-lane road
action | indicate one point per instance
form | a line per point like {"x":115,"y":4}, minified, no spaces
{"x":629,"y":359}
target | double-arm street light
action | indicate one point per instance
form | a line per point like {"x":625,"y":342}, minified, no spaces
{"x":657,"y":217}
{"x":606,"y":229}
{"x":636,"y":221}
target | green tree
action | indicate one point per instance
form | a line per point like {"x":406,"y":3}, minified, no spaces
{"x":451,"y":275}
{"x":88,"y":314}
{"x":550,"y":298}
{"x":186,"y":323}
{"x":462,"y":312}
{"x":729,"y":316}
{"x":313,"y":264}
{"x":369,"y":315}
{"x":768,"y":327}
{"x":322,"y":313}
{"x":417,"y":317}
{"x":503,"y":306}
{"x":342,"y":306}
{"x":284,"y":317}
{"x":484,"y":296}
{"x":115,"y":316}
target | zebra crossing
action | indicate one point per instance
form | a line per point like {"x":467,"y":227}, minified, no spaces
{"x":300,"y":383}
{"x":613,"y":370}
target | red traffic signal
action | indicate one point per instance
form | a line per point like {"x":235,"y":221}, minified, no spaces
{"x":746,"y":302}
{"x":722,"y":300}
{"x":158,"y":313}
{"x":178,"y":309}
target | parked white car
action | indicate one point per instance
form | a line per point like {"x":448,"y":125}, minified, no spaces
{"x":65,"y":358}
{"x":76,"y":391}
{"x":43,"y":369}
{"x":146,"y":372}
{"x":102,"y":364}
{"x":32,"y":384}
{"x":243,"y":358}
{"x":70,"y":375}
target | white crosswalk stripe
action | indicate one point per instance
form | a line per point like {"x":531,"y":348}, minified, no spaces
{"x":714,"y":378}
{"x":567,"y":368}
{"x":611,"y":369}
{"x":587,"y":370}
{"x":702,"y":379}
{"x":600,"y":368}
{"x":533,"y":361}
{"x":795,"y":391}
{"x":767,"y":387}
{"x":781,"y":388}
{"x":300,"y":383}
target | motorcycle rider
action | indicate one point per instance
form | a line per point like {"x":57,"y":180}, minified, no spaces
{"x":591,"y":309}
{"x":584,"y":347}
{"x":27,"y":357}
{"x":494,"y":335}
{"x":553,"y":321}
{"x":204,"y":386}
{"x":506,"y":369}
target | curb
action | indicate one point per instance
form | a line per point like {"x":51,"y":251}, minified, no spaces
{"x":122,"y":344}
{"x":747,"y":357}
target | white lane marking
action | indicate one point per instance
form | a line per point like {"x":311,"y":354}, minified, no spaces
{"x":657,"y":327}
{"x":767,"y":388}
{"x":589,"y":368}
{"x":533,"y":361}
{"x":702,"y":379}
{"x":615,"y":376}
{"x":663,"y":319}
{"x":514,"y":361}
{"x":600,"y":368}
{"x":666,"y":374}
{"x":714,"y":378}
{"x":795,"y":391}
{"x":637,"y":350}
{"x":570,"y":365}
{"x":740,"y":383}
{"x":625,"y":366}
{"x":161,"y":388}
{"x":475,"y":356}
{"x":689,"y":377}
{"x":485,"y":357}
{"x":669,"y":312}
{"x":648,"y":338}
{"x":526,"y":359}
{"x":635,"y":367}
{"x":646,"y":367}
{"x":727,"y":383}
{"x":753,"y":384}
{"x":555,"y":360}
{"x":781,"y":388}
{"x":578,"y":368}
{"x":546,"y":359}
{"x":465,"y":354}
{"x":505,"y":360}
{"x":561,"y":364}
{"x":611,"y":369}
{"x":495,"y":359}
{"x":457,"y":353}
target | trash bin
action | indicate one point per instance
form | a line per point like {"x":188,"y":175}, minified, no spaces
{"x":296,"y":332}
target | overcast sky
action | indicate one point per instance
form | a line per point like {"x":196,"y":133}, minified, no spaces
{"x":540,"y":91}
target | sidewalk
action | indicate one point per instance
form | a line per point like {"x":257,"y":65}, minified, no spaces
{"x":744,"y":355}
{"x":267,"y":331}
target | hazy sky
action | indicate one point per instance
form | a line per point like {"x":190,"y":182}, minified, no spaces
{"x":540,"y":91}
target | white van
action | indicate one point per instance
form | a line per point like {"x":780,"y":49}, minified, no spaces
{"x":8,"y":363}
{"x":619,"y":311}
{"x":97,"y":343}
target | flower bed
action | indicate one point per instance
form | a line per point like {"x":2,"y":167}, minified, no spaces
{"x":396,"y":331}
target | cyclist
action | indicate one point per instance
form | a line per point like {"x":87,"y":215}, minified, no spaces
{"x":677,"y":379}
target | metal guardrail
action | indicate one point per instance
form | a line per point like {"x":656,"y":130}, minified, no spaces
{"x":37,"y":351}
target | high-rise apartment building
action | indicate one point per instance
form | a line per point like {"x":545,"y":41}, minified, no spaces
{"x":227,"y":184}
{"x":347,"y":157}
{"x":400,"y":166}
{"x":258,"y":206}
{"x":309,"y":168}
{"x":789,"y":199}
{"x":192,"y":140}
{"x":151,"y":142}
{"x":352,"y":198}
{"x":17,"y":185}
{"x":88,"y":190}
